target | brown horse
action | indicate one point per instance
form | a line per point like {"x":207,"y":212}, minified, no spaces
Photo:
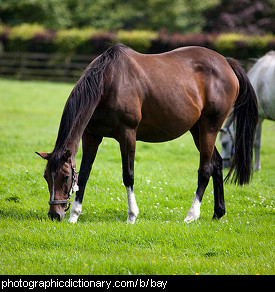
{"x":153,"y":98}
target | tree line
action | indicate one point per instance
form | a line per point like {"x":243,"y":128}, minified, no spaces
{"x":183,"y":16}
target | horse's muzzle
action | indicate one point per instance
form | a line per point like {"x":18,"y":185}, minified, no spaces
{"x":55,"y":215}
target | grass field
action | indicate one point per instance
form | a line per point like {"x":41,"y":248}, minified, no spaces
{"x":101,"y":242}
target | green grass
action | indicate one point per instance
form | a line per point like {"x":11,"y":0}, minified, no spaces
{"x":101,"y":242}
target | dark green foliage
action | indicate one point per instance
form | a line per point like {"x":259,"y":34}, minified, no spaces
{"x":243,"y":16}
{"x":173,"y":15}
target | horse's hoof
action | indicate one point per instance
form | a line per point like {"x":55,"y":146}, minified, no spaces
{"x":131,"y":218}
{"x":191,"y":217}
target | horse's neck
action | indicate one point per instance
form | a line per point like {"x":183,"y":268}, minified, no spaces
{"x":74,"y":139}
{"x":71,"y":138}
{"x":79,"y":108}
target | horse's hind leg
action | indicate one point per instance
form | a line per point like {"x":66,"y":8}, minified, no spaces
{"x":205,"y":141}
{"x":219,"y":207}
{"x":90,"y":145}
{"x":127,"y":141}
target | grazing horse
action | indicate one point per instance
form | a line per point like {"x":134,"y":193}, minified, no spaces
{"x":153,"y":98}
{"x":262,"y":78}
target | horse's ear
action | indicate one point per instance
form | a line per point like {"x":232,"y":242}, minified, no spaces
{"x":67,"y":155}
{"x":43,"y":155}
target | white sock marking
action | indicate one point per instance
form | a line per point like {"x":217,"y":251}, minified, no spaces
{"x":75,"y":211}
{"x":194,"y":212}
{"x":132,"y":206}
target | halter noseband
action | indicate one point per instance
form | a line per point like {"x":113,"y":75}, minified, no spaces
{"x":74,"y":188}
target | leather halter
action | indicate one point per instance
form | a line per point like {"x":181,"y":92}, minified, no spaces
{"x":74,"y":188}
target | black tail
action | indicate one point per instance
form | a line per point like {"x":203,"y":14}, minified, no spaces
{"x":245,"y":114}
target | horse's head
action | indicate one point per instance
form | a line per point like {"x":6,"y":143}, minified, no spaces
{"x":227,"y":146}
{"x":62,"y":181}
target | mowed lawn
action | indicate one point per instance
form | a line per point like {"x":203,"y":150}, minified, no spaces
{"x":101,"y":242}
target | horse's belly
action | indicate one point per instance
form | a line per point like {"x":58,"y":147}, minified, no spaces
{"x":154,"y":134}
{"x":168,"y":121}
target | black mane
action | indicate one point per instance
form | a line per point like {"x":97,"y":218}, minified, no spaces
{"x":86,"y":92}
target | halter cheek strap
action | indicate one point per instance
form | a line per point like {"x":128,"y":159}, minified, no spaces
{"x":74,"y":188}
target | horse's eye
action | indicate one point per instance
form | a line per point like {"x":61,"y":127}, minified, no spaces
{"x":66,"y":178}
{"x":224,"y":144}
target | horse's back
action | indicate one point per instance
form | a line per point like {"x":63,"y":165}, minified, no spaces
{"x":187,"y":70}
{"x":180,"y":85}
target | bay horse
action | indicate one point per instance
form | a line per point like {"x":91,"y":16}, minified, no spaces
{"x":262,"y":78}
{"x":153,"y":98}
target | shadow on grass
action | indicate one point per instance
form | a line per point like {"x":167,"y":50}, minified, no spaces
{"x":24,"y":214}
{"x":107,"y":215}
{"x":21,"y":214}
{"x":90,"y":215}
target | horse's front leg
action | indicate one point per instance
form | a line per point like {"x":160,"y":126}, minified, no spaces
{"x":127,"y":142}
{"x":90,"y":145}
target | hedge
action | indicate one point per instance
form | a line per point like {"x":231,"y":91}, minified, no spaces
{"x":243,"y":47}
{"x":34,"y":38}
